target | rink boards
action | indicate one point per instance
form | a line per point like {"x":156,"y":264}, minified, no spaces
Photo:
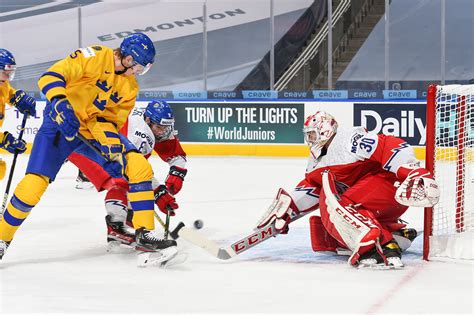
{"x":268,"y":127}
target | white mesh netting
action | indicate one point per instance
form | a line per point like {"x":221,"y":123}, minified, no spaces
{"x":453,"y":219}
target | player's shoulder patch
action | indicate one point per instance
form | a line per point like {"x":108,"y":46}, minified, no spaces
{"x":356,"y":134}
{"x":363,"y":144}
{"x":137,"y":111}
{"x":355,"y":141}
{"x":88,"y":52}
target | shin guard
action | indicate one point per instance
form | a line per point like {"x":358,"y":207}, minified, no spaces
{"x":321,"y":240}
{"x":27,"y":194}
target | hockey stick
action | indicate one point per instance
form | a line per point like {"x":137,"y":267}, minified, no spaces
{"x":157,"y":217}
{"x":12,"y":169}
{"x":236,"y":248}
{"x":167,"y":225}
{"x":94,"y":148}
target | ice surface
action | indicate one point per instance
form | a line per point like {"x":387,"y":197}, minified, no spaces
{"x":58,"y":263}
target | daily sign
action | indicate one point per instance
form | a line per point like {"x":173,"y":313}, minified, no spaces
{"x":404,"y":120}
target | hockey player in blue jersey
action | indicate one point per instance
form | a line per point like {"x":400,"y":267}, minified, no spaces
{"x":17,"y":98}
{"x":91,"y":93}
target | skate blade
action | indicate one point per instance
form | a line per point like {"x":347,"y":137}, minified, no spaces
{"x":146,"y":259}
{"x":381,"y":266}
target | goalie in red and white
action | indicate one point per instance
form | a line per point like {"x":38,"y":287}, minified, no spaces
{"x":148,"y":129}
{"x":362,"y":183}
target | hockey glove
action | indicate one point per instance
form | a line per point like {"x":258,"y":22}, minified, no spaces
{"x":115,"y":169}
{"x":63,"y":115}
{"x":113,"y":152}
{"x":3,"y":169}
{"x":174,"y":181}
{"x":164,"y":200}
{"x":115,"y":164}
{"x":11,"y":144}
{"x":24,"y":103}
{"x":419,"y":189}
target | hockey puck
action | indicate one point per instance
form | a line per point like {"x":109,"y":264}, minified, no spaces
{"x":198,"y":224}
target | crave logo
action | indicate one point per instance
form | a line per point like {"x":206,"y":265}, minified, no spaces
{"x":403,"y":120}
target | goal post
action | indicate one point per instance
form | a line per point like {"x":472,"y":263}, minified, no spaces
{"x":449,"y":225}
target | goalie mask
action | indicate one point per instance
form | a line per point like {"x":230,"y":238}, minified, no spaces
{"x":159,"y":117}
{"x":318,"y":130}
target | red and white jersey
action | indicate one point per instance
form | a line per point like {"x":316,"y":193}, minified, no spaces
{"x":141,"y":136}
{"x":138,"y":132}
{"x":354,"y":153}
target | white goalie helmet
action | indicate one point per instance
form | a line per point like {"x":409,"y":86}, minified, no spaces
{"x":318,"y":129}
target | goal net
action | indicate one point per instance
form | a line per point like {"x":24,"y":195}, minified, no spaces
{"x":449,"y":225}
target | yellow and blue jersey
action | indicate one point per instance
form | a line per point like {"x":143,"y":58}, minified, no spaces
{"x":6,"y":93}
{"x":101,"y":99}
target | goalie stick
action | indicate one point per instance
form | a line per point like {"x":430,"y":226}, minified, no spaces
{"x":236,"y":248}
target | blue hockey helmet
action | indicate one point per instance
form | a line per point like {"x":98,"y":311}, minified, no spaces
{"x":7,"y":63}
{"x":159,"y":113}
{"x":141,"y":48}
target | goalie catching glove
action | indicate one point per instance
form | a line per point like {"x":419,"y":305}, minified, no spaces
{"x":165,"y":201}
{"x":419,"y":189}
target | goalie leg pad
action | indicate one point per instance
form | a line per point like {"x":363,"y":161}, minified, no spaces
{"x":345,"y":224}
{"x":321,"y":240}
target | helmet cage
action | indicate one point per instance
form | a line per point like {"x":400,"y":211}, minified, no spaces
{"x":7,"y":63}
{"x":318,"y":130}
{"x":160,"y":113}
{"x":311,"y":135}
{"x":168,"y":130}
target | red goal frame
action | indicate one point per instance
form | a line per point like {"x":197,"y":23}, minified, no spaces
{"x":430,"y":159}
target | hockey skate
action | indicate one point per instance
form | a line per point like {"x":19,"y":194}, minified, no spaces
{"x":405,"y":237}
{"x":119,"y":235}
{"x":3,"y":248}
{"x":408,"y":233}
{"x":153,"y":250}
{"x":374,"y":260}
{"x":82,"y":182}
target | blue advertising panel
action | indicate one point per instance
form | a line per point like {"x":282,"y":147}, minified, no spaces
{"x":404,"y":120}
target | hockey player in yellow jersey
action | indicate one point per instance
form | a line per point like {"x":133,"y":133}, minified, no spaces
{"x":91,"y":93}
{"x":8,"y":95}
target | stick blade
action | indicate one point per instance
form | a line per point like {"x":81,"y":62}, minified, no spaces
{"x":224,"y":254}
